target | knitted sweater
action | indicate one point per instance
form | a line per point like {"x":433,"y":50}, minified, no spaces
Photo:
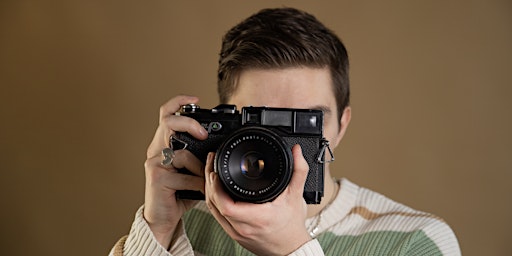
{"x":358,"y":222}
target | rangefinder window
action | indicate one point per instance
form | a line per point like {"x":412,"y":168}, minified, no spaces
{"x":276,"y":118}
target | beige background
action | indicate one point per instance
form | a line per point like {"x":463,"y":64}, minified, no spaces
{"x":81,"y":83}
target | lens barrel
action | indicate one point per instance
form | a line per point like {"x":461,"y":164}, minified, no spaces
{"x":254,"y":164}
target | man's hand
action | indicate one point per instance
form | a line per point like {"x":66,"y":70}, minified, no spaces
{"x":161,"y":209}
{"x":273,"y":228}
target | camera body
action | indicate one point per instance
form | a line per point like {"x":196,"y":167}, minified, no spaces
{"x":253,"y":149}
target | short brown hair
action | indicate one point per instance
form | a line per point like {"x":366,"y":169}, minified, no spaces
{"x":282,"y":38}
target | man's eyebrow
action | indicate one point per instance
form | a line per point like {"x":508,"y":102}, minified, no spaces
{"x":323,"y":108}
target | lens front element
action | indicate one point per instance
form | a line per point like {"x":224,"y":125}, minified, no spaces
{"x":252,"y":165}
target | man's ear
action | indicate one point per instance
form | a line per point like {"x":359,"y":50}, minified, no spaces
{"x":344,"y":121}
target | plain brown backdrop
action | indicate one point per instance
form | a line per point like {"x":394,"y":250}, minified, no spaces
{"x":82,"y":81}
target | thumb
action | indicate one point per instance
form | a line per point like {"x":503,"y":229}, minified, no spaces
{"x":300,"y":170}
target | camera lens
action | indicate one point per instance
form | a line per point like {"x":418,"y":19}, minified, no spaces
{"x":254,"y":165}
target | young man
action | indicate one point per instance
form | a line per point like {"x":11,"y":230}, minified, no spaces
{"x":276,"y":58}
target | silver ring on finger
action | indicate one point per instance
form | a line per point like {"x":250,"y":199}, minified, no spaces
{"x":168,"y":156}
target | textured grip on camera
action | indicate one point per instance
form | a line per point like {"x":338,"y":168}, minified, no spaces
{"x":200,"y":149}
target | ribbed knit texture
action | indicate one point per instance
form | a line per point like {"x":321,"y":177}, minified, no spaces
{"x":141,"y":241}
{"x":358,"y":222}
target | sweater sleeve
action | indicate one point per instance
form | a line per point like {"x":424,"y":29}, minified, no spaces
{"x":310,"y":248}
{"x":141,"y":241}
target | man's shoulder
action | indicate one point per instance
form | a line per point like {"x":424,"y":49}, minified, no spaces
{"x":373,"y":204}
{"x":372,"y":215}
{"x":373,"y":207}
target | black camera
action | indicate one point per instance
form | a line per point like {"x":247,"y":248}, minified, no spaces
{"x":253,"y":149}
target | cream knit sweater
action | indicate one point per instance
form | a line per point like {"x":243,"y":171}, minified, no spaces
{"x":358,"y":222}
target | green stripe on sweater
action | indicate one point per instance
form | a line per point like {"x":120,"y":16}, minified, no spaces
{"x":208,"y":237}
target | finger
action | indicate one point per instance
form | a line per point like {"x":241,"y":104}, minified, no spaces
{"x":227,"y":207}
{"x":208,"y":168}
{"x":174,"y":104}
{"x":185,"y":124}
{"x":165,"y":130}
{"x":185,"y":159}
{"x":300,"y":170}
{"x":210,"y":195}
{"x":217,"y":195}
{"x":209,"y":176}
{"x":157,"y":144}
{"x":160,"y":177}
{"x":166,"y":125}
{"x":161,"y":137}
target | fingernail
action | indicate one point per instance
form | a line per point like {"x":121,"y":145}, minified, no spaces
{"x":210,"y":176}
{"x":209,"y":157}
{"x":203,"y":132}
